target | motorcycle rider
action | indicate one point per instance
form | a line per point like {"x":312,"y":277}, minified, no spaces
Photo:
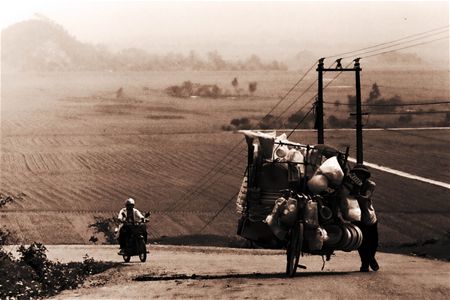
{"x":129,"y":215}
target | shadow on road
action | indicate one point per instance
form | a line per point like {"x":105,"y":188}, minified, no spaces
{"x":150,"y":277}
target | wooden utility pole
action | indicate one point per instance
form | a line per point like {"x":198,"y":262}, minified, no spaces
{"x":359,"y":126}
{"x":319,"y":104}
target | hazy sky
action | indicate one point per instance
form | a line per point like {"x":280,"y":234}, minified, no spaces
{"x":234,"y":28}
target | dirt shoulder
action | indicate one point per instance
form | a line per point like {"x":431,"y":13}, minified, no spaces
{"x":209,"y":272}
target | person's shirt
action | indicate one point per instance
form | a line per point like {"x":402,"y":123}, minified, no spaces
{"x":368,"y":215}
{"x":135,"y":217}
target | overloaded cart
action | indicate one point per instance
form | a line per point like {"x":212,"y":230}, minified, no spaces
{"x":302,"y":198}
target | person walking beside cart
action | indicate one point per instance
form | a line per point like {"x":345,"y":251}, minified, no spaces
{"x":369,"y":221}
{"x":129,"y":215}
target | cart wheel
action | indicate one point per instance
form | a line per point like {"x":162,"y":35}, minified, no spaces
{"x":294,"y":248}
{"x":126,"y":258}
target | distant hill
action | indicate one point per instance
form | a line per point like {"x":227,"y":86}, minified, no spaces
{"x":40,"y":44}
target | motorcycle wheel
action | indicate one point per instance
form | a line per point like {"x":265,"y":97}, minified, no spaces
{"x":143,"y":256}
{"x":143,"y":250}
{"x":126,"y":258}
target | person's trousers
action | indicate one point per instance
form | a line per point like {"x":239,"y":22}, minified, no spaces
{"x":369,"y":244}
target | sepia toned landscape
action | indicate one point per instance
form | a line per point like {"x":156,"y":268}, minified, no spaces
{"x":84,"y":128}
{"x":72,"y":147}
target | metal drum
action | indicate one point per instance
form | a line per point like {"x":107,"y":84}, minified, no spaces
{"x":354,"y":237}
{"x":334,"y":235}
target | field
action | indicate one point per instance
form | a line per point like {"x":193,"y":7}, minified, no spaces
{"x":77,"y":151}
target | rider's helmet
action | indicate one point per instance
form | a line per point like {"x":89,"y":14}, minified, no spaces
{"x":129,"y":202}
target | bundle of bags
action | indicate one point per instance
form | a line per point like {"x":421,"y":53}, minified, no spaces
{"x":351,"y":191}
{"x":283,"y":215}
{"x":354,"y":190}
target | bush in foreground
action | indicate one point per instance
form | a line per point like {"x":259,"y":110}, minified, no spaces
{"x":34,"y":276}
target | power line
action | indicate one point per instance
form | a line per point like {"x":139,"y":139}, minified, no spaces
{"x":279,"y":117}
{"x":293,"y":130}
{"x":301,"y":121}
{"x":296,"y":84}
{"x":410,"y":112}
{"x":393,"y":45}
{"x":366,"y":57}
{"x":200,"y":189}
{"x":218,"y":212}
{"x":406,"y":47}
{"x":391,"y":104}
{"x":201,"y":183}
{"x":302,"y":94}
{"x":328,"y":84}
{"x":393,"y":41}
{"x":409,"y":46}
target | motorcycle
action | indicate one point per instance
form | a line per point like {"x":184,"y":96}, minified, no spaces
{"x":135,"y":241}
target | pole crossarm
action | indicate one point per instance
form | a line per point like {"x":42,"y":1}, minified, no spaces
{"x":340,"y":70}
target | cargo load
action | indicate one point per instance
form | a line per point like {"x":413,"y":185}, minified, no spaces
{"x":303,"y":193}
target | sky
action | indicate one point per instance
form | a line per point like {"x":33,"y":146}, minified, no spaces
{"x":275,"y":29}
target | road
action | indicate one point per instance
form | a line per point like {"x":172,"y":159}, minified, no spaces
{"x":222,"y":273}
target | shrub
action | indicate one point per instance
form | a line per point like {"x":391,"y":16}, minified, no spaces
{"x":212,"y":91}
{"x":106,"y":227}
{"x":7,"y":237}
{"x":241,"y":123}
{"x":188,"y":89}
{"x":270,"y":122}
{"x":334,"y":122}
{"x":34,"y":276}
{"x":299,"y":117}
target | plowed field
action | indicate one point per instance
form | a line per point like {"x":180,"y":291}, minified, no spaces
{"x":76,"y":151}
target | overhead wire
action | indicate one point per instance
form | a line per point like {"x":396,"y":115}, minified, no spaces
{"x":206,"y":176}
{"x":276,"y":119}
{"x":406,"y":47}
{"x":374,"y":54}
{"x":293,"y":130}
{"x":391,"y":104}
{"x":309,"y":101}
{"x":390,"y":42}
{"x":411,"y":112}
{"x":367,"y":52}
{"x":201,"y":185}
{"x":367,"y":56}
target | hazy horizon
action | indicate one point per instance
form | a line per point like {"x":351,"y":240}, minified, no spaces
{"x":274,"y":30}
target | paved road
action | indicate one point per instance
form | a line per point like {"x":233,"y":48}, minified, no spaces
{"x":220,"y":273}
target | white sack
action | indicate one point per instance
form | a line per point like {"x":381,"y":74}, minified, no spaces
{"x":332,"y":170}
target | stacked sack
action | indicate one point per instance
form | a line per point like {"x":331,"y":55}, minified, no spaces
{"x":327,"y":178}
{"x":283,"y":216}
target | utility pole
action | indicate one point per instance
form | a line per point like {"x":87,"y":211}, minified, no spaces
{"x":359,"y":126}
{"x":319,"y":103}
